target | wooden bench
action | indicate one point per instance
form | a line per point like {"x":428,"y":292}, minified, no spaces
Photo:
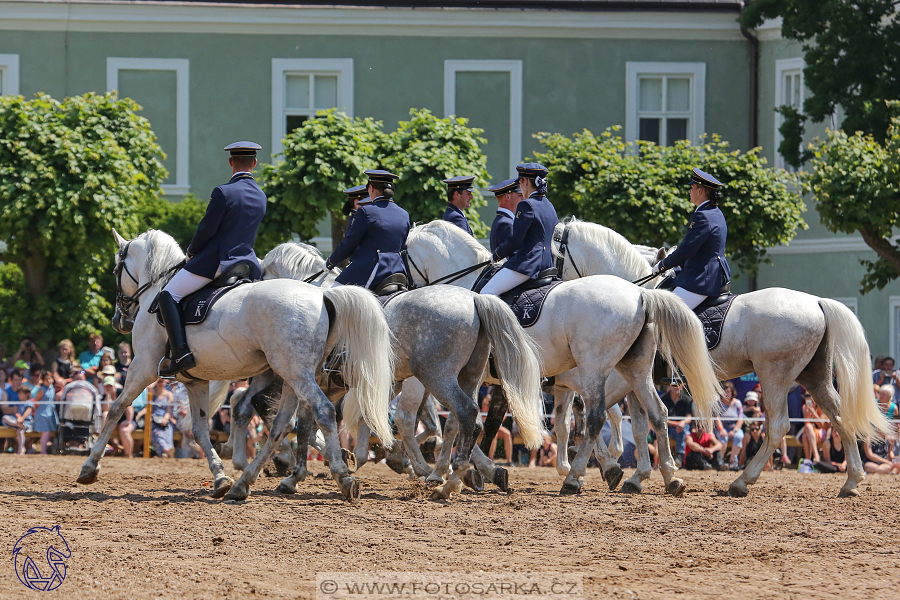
{"x":138,"y":435}
{"x":9,"y":433}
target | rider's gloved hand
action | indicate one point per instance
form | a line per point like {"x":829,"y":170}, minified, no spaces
{"x":657,"y":268}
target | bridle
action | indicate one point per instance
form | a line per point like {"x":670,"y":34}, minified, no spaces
{"x":125,"y":303}
{"x":563,"y":241}
{"x":456,"y":275}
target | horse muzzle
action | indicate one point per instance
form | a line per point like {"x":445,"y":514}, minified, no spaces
{"x":122,"y":324}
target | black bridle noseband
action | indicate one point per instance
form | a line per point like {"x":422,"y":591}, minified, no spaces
{"x":456,"y":275}
{"x":125,"y":304}
{"x":563,"y":241}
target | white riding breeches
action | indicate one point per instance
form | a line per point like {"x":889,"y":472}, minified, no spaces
{"x":690,"y":298}
{"x":503,"y":281}
{"x":184,"y":282}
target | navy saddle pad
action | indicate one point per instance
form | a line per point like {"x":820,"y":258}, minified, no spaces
{"x":713,"y":319}
{"x":195,"y":308}
{"x":527,"y":305}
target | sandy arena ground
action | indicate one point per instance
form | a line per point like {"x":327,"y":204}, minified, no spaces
{"x":147,"y":529}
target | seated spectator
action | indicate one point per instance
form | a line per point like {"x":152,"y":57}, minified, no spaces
{"x":23,"y":420}
{"x":107,"y":362}
{"x":124,"y":356}
{"x":752,"y":445}
{"x":652,"y":448}
{"x":877,"y":456}
{"x":46,"y":419}
{"x":680,"y":407}
{"x":886,"y":375}
{"x":162,"y":424}
{"x":221,"y":421}
{"x":730,"y":424}
{"x":885,"y":395}
{"x":110,"y":391}
{"x":13,"y":383}
{"x":62,"y":364}
{"x":28,"y":353}
{"x":125,"y":428}
{"x":34,"y":377}
{"x":90,"y":358}
{"x":181,"y":413}
{"x":703,"y":451}
{"x":809,"y":435}
{"x":548,"y":452}
{"x":833,"y":451}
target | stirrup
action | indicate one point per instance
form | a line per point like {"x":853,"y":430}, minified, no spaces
{"x":171,"y":362}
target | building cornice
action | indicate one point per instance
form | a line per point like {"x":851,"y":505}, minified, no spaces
{"x":172,"y":17}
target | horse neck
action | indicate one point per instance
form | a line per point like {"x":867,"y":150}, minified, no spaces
{"x":435,"y":265}
{"x":594,"y":258}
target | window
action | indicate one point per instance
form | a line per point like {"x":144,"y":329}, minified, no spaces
{"x":665,"y":102}
{"x":160,"y":85}
{"x":789,"y":90}
{"x":850,"y":302}
{"x":302,"y":87}
{"x":9,"y":74}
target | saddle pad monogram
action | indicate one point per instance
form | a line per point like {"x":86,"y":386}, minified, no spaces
{"x":528,"y":304}
{"x":195,"y":308}
{"x":713,"y":319}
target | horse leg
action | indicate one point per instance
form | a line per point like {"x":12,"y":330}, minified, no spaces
{"x":777,"y":426}
{"x":305,"y":428}
{"x":143,"y":375}
{"x":562,"y":408}
{"x":260,"y":395}
{"x":405,"y":420}
{"x":198,"y":396}
{"x":594,"y":396}
{"x":496,"y":413}
{"x":361,"y":448}
{"x":614,"y":414}
{"x":428,"y":417}
{"x":441,"y":470}
{"x":282,"y":423}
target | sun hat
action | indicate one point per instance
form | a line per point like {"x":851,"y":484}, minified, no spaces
{"x":108,"y":370}
{"x":751,"y":396}
{"x":109,"y":381}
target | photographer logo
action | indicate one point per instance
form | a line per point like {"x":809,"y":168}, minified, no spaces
{"x":39,"y":558}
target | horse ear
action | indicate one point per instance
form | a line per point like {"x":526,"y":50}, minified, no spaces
{"x":119,"y":239}
{"x":660,"y":254}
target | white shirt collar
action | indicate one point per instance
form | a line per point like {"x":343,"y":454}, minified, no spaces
{"x":701,"y":206}
{"x":507,"y":211}
{"x":241,"y":173}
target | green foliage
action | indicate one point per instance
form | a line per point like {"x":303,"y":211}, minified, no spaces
{"x":178,"y":219}
{"x":640,"y":190}
{"x":426,"y":150}
{"x":326,"y":155}
{"x":856,"y":183}
{"x":332,"y":152}
{"x":851,"y":49}
{"x":70,"y":172}
{"x":15,"y":314}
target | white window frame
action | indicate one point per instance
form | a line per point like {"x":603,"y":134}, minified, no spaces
{"x":181,"y":66}
{"x":281,"y":67}
{"x":696,"y":72}
{"x":9,"y":66}
{"x":851,"y":302}
{"x":514,"y":68}
{"x":781,"y":67}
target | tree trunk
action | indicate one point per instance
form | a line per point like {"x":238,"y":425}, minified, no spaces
{"x":338,"y":226}
{"x":752,"y":284}
{"x":883,"y":247}
{"x":35,"y":271}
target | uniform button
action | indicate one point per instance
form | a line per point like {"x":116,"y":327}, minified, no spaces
{"x":379,"y":251}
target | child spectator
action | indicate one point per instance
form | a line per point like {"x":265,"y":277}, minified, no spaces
{"x":809,"y":435}
{"x":886,"y":401}
{"x":877,"y":456}
{"x":90,"y":358}
{"x":703,"y":451}
{"x":46,"y":419}
{"x":730,"y":424}
{"x":110,"y":392}
{"x":548,"y":452}
{"x":23,"y":421}
{"x":62,"y":365}
{"x":162,"y":424}
{"x":124,"y":355}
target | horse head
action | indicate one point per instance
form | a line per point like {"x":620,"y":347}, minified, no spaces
{"x":439,"y":248}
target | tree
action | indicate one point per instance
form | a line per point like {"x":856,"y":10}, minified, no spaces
{"x":851,"y":49}
{"x":426,"y":150}
{"x":856,"y":183}
{"x":178,"y":219}
{"x":70,"y":172}
{"x":321,"y":158}
{"x":640,"y":190}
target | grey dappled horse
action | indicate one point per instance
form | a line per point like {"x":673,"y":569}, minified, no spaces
{"x":442,"y":336}
{"x":597,"y":324}
{"x":285,"y":327}
{"x":783,"y":335}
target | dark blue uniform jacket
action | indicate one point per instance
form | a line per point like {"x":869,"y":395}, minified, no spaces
{"x":701,"y":254}
{"x":456,"y":216}
{"x":529,"y":246}
{"x":376,"y":233}
{"x":501,"y":229}
{"x":227,"y":231}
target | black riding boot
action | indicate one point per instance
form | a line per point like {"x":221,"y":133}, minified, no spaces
{"x":182,"y":357}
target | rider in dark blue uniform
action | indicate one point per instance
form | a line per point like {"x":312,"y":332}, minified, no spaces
{"x":224,"y":237}
{"x":529,"y":246}
{"x":508,"y":196}
{"x":375,"y":236}
{"x":354,"y":195}
{"x":701,"y":253}
{"x":459,"y":197}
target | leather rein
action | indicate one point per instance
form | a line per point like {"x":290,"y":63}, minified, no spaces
{"x":563,"y":241}
{"x":456,"y":275}
{"x":125,"y":303}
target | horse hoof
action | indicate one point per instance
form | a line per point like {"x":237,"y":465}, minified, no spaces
{"x":433,"y":481}
{"x":613,"y":476}
{"x":222,"y":487}
{"x":396,"y":466}
{"x":349,"y":459}
{"x":570,"y":488}
{"x":88,"y":474}
{"x":237,"y":493}
{"x":630,"y":488}
{"x":501,"y":479}
{"x":238,"y":465}
{"x":223,"y":450}
{"x":676,"y":488}
{"x":350,"y":488}
{"x":474,"y":480}
{"x":287,"y":486}
{"x":282,"y":467}
{"x":852,"y":493}
{"x":439,"y":494}
{"x":737,"y":491}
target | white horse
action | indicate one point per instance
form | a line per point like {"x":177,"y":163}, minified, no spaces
{"x":783,"y":335}
{"x":287,"y":327}
{"x":596,"y":324}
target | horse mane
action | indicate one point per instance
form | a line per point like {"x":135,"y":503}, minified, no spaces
{"x":448,"y":235}
{"x":163,"y":253}
{"x":293,"y":260}
{"x":604,"y":251}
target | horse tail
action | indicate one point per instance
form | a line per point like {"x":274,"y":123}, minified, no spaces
{"x":351,"y":412}
{"x":218,"y":391}
{"x":517,"y":359}
{"x":681,"y":343}
{"x":361,"y":331}
{"x":847,"y":339}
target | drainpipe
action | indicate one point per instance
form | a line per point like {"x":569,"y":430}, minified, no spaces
{"x":753,"y":120}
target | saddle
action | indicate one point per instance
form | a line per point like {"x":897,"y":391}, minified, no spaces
{"x":195,"y":307}
{"x":391,"y":284}
{"x":525,"y":300}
